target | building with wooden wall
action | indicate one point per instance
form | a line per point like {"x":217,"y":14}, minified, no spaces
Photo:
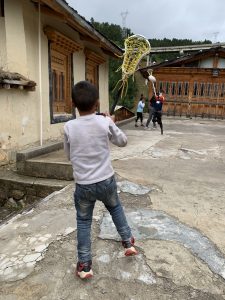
{"x":46,"y":47}
{"x":194,"y":84}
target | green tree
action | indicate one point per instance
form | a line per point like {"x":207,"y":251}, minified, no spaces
{"x":172,"y":42}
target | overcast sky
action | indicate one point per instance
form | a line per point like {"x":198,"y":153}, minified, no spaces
{"x":192,"y":19}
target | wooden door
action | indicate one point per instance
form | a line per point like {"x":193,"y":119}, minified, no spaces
{"x":61,"y":81}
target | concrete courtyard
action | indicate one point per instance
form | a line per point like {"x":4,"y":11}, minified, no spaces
{"x":173,"y":191}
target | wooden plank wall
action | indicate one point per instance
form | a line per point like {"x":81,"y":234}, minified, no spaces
{"x":192,"y":92}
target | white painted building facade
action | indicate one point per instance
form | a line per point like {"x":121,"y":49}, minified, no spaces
{"x":50,"y":44}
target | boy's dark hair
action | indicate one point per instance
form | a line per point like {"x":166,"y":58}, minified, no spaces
{"x":84,"y":95}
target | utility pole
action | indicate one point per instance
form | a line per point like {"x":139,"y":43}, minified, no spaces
{"x":124,"y":27}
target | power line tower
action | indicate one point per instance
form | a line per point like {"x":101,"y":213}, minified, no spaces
{"x":215,"y":34}
{"x":124,"y":17}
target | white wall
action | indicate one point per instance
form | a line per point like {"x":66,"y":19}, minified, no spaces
{"x":3,"y":62}
{"x":104,"y":87}
{"x":221,"y":63}
{"x":206,"y":63}
{"x":20,"y":123}
{"x":15,"y":37}
{"x":78,"y":69}
{"x":78,"y":66}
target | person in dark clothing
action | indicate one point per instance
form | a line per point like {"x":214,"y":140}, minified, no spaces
{"x":157,"y":116}
{"x":151,"y":110}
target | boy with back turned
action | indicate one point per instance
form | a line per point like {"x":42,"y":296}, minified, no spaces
{"x":86,"y":143}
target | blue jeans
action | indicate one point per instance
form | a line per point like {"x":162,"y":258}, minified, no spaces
{"x":85,"y":197}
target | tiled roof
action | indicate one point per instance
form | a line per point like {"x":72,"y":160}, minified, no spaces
{"x":10,"y":80}
{"x":89,"y":27}
{"x":184,"y":58}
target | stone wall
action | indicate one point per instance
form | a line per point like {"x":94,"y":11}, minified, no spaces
{"x":28,"y":192}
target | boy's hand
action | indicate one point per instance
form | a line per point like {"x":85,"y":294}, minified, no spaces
{"x":108,"y":115}
{"x":113,"y":118}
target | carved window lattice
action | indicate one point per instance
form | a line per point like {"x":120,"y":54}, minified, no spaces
{"x":57,"y":60}
{"x":60,"y":41}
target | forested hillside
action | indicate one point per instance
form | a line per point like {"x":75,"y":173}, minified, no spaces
{"x":172,"y":42}
{"x":115,"y":34}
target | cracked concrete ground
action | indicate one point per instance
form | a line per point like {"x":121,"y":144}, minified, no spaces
{"x":178,"y":178}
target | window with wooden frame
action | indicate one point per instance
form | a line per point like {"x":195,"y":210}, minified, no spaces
{"x":160,"y":86}
{"x":92,"y":73}
{"x":2,"y":11}
{"x":179,"y":88}
{"x":195,"y":89}
{"x":222,"y":90}
{"x":163,"y":89}
{"x":173,"y":88}
{"x":60,"y":74}
{"x":202,"y":89}
{"x":167,"y":87}
{"x":216,"y":90}
{"x":186,"y":88}
{"x":92,"y":62}
{"x":60,"y":80}
{"x":209,"y":89}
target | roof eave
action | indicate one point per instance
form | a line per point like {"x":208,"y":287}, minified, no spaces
{"x":105,"y":43}
{"x":186,"y":58}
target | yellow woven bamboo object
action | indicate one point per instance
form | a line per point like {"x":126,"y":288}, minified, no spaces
{"x":136,"y":47}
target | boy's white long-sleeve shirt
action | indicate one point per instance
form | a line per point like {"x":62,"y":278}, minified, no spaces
{"x":86,"y":143}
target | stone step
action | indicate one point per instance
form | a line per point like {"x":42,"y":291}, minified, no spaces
{"x":51,"y":165}
{"x":14,"y":185}
{"x":47,"y":161}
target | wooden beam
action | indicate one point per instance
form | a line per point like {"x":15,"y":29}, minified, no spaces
{"x":66,"y":17}
{"x":19,"y":82}
{"x":89,"y":36}
{"x":110,"y":53}
{"x":60,"y":40}
{"x":215,"y":60}
{"x":52,"y":4}
{"x":76,"y":25}
{"x":94,"y":57}
{"x":46,"y":10}
{"x":89,"y":39}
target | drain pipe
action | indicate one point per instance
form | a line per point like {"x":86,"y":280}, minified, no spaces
{"x":40,"y":72}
